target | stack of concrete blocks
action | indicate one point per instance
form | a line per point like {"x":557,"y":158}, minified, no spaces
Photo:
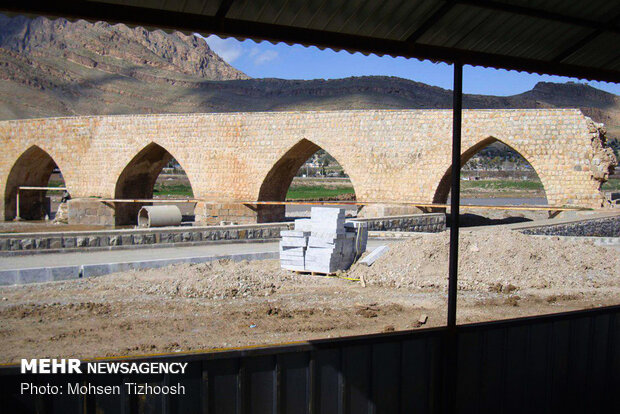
{"x":293,"y":246}
{"x":329,"y":244}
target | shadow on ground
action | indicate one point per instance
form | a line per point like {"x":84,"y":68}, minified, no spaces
{"x":473,"y":220}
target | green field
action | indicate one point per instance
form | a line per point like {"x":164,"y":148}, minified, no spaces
{"x":612,"y":184}
{"x":180,"y":190}
{"x":316,"y":192}
{"x":55,"y":183}
{"x":502,"y":185}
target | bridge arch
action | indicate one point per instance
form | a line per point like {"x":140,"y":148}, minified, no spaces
{"x":443,"y":188}
{"x":34,"y":168}
{"x":276,"y":183}
{"x":137,"y":181}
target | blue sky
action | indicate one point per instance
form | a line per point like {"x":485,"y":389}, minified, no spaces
{"x":264,"y":60}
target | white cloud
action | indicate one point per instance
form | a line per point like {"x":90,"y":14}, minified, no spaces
{"x":261,"y":58}
{"x":231,"y":49}
{"x":228,"y":49}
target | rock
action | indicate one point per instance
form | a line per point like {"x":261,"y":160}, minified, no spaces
{"x":62,"y":214}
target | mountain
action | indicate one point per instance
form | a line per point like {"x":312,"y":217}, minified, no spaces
{"x":57,"y":67}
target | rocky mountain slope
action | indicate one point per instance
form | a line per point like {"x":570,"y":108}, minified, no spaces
{"x":56,"y":67}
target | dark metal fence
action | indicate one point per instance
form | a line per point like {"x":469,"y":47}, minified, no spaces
{"x":561,"y":363}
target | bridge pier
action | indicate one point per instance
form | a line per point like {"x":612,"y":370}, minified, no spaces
{"x":211,"y":214}
{"x":90,"y":211}
{"x":385,"y":210}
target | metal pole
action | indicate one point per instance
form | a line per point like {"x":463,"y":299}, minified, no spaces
{"x":17,"y":218}
{"x":455,"y":189}
{"x":451,"y":344}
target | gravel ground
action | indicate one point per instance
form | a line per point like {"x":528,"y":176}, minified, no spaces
{"x":224,"y":304}
{"x":493,"y":257}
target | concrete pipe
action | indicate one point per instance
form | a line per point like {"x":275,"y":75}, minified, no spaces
{"x":159,"y":216}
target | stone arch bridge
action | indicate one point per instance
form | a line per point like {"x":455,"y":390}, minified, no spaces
{"x":389,"y":155}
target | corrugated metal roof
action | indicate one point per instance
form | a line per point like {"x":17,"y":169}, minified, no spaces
{"x":564,"y":37}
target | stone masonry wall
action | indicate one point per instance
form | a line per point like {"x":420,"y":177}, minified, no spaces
{"x":128,"y":238}
{"x":117,"y":239}
{"x":601,"y":227}
{"x":390,"y":156}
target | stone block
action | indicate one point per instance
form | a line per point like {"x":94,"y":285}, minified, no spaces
{"x":293,"y":242}
{"x":9,"y":277}
{"x":55,"y":243}
{"x":64,"y":273}
{"x":34,"y":275}
{"x":96,"y":270}
{"x":186,"y":236}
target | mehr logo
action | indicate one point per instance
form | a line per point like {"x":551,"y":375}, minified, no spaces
{"x":51,"y":366}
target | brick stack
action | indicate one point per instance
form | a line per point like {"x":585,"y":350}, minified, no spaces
{"x":323,"y":244}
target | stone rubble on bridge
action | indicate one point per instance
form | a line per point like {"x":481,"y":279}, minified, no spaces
{"x":325,"y":243}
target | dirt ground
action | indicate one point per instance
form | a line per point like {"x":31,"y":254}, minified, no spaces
{"x":226,"y":304}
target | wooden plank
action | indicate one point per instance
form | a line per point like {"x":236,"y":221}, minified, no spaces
{"x":43,"y":188}
{"x":347,"y":203}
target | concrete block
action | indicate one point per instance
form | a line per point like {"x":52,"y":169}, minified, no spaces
{"x":93,"y":270}
{"x":320,"y":268}
{"x":293,"y":242}
{"x":9,"y":277}
{"x":290,"y":249}
{"x":64,"y":272}
{"x":34,"y":275}
{"x":285,"y":262}
{"x":303,"y":225}
{"x":284,"y":253}
{"x":294,"y":233}
{"x":326,"y":212}
{"x":329,"y":242}
{"x":374,"y":255}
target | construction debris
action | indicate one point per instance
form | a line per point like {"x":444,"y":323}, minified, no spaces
{"x":374,"y":255}
{"x":324,"y":243}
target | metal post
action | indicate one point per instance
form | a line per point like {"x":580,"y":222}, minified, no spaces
{"x":455,"y":189}
{"x":17,"y":218}
{"x":451,"y":344}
